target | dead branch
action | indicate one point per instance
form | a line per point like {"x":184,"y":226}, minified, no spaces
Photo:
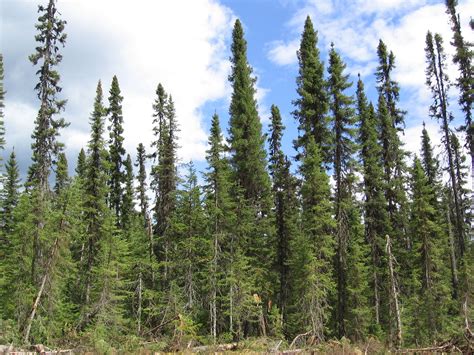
{"x":297,"y":337}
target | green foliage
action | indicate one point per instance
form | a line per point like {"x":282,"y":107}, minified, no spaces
{"x":313,"y":102}
{"x":116,"y":149}
{"x":251,"y":255}
{"x":313,"y":251}
{"x":50,"y":37}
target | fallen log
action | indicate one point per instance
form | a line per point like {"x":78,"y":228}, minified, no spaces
{"x":220,"y":347}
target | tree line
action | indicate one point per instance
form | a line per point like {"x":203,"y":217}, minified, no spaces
{"x":267,"y":245}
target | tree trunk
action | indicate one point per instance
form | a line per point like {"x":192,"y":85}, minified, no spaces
{"x":40,"y":292}
{"x":454,"y":270}
{"x":394,"y":292}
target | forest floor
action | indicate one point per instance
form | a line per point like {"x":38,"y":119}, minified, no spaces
{"x":262,"y":345}
{"x":249,"y":346}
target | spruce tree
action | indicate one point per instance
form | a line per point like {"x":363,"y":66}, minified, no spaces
{"x":50,"y":36}
{"x":438,"y":82}
{"x":221,"y":214}
{"x":391,"y":121}
{"x":313,"y":251}
{"x":429,"y":162}
{"x":163,"y":172}
{"x":116,"y":149}
{"x":432,"y":298}
{"x":11,"y":194}
{"x":128,"y":206}
{"x":245,"y":131}
{"x":464,"y":58}
{"x":375,"y":213}
{"x":81,"y":166}
{"x":343,"y":120}
{"x":2,"y":105}
{"x":286,"y":207}
{"x":248,"y":160}
{"x":62,"y":174}
{"x":45,"y":145}
{"x":142,"y":184}
{"x":96,"y":212}
{"x":312,"y":104}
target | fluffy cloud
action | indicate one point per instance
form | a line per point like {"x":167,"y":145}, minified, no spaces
{"x":143,"y":43}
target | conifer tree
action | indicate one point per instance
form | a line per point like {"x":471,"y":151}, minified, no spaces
{"x":286,"y":207}
{"x":117,"y":151}
{"x":464,"y":58}
{"x":312,"y":104}
{"x":95,"y":208}
{"x":81,"y":166}
{"x":128,"y":206}
{"x":2,"y":105}
{"x":164,"y":173}
{"x":11,"y":193}
{"x":142,"y":184}
{"x":313,"y":251}
{"x":50,"y":36}
{"x":248,"y":160}
{"x":428,"y":161}
{"x":438,"y":82}
{"x":375,"y":215}
{"x":45,"y":145}
{"x":391,"y":121}
{"x":343,"y":120}
{"x":62,"y":174}
{"x":245,"y":132}
{"x":433,"y":299}
{"x":221,"y":214}
{"x":191,"y":247}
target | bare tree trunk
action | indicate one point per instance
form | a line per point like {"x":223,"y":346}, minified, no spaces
{"x":214,"y":292}
{"x":394,"y":292}
{"x":454,"y":270}
{"x":40,"y":292}
{"x":149,"y":230}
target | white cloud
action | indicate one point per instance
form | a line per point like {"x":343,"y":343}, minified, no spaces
{"x":282,"y":53}
{"x":356,"y":26}
{"x":412,"y":137}
{"x":182,"y":44}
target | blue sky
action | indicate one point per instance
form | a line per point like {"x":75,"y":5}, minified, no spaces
{"x":185,"y":45}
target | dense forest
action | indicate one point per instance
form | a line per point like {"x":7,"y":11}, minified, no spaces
{"x":351,"y":236}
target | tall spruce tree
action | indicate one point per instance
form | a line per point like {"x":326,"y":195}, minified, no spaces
{"x":45,"y":145}
{"x":312,"y":104}
{"x":391,"y":121}
{"x":62,"y":174}
{"x":50,"y":36}
{"x":375,"y":213}
{"x":248,"y":159}
{"x":432,"y":299}
{"x":343,"y":120}
{"x":313,"y":251}
{"x":221,"y":212}
{"x":128,"y":205}
{"x":464,"y":58}
{"x":286,"y":207}
{"x":2,"y":105}
{"x":116,"y":149}
{"x":96,"y":212}
{"x":142,"y":182}
{"x":438,"y":82}
{"x":163,"y":172}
